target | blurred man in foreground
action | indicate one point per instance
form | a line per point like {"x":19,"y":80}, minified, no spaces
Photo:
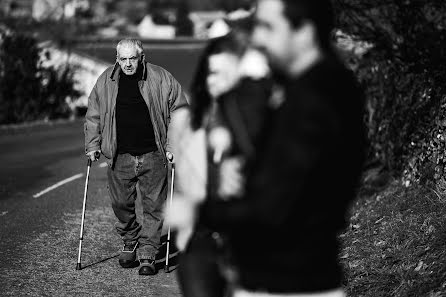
{"x":129,"y":112}
{"x":283,"y":232}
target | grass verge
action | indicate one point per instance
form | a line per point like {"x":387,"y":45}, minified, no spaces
{"x":396,"y":243}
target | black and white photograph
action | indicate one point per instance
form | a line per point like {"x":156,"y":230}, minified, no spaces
{"x":223,"y":148}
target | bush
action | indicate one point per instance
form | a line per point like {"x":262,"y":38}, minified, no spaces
{"x":29,"y":91}
{"x":404,"y":79}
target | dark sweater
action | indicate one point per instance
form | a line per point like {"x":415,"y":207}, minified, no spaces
{"x":134,"y":127}
{"x":283,"y":233}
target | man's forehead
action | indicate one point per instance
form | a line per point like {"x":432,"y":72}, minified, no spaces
{"x":127,"y":51}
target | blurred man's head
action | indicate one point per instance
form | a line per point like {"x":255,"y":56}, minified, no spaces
{"x":289,"y":31}
{"x":129,"y":53}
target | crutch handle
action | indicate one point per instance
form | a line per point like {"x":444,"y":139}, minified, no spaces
{"x":96,"y":157}
{"x":170,"y":157}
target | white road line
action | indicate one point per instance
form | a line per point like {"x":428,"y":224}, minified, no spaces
{"x":58,"y":184}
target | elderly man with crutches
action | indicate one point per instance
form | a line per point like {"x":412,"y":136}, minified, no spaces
{"x":127,"y":121}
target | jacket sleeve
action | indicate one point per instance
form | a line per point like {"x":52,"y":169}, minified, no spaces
{"x":189,"y":148}
{"x":177,"y":99}
{"x":92,"y":125}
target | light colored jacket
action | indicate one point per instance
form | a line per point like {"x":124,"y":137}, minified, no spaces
{"x":189,"y":147}
{"x":161,"y":92}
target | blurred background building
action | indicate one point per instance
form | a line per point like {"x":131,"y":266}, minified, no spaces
{"x":76,"y":41}
{"x":144,"y":18}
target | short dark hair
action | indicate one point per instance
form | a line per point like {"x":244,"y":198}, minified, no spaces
{"x":320,"y":12}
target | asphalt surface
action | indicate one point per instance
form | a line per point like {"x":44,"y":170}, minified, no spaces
{"x":39,"y":235}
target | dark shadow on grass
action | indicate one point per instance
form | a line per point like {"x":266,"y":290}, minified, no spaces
{"x":100,"y":261}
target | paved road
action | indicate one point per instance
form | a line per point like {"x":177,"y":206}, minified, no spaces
{"x":39,"y":236}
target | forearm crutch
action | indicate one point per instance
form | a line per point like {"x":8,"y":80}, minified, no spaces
{"x":78,"y":266}
{"x":166,"y":267}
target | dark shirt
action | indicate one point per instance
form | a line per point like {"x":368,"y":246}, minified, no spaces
{"x":134,"y":127}
{"x":283,"y":233}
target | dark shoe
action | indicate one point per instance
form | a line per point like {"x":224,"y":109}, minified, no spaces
{"x":127,"y":257}
{"x":147,"y":267}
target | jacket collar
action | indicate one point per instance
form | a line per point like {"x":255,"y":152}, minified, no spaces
{"x":117,"y":70}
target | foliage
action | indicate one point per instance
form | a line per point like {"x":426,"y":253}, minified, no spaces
{"x":29,"y":91}
{"x":404,"y":80}
{"x":394,"y":245}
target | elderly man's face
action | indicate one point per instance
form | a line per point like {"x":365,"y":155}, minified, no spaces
{"x":128,"y":59}
{"x":273,"y":34}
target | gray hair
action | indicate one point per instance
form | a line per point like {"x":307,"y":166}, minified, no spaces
{"x":130,"y":42}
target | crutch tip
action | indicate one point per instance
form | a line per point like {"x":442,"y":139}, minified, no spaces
{"x":166,"y":268}
{"x":78,"y":266}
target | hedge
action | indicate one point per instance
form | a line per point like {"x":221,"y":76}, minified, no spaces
{"x":404,"y":78}
{"x":29,"y":91}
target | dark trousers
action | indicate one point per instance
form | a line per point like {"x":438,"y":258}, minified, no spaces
{"x":149,"y":172}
